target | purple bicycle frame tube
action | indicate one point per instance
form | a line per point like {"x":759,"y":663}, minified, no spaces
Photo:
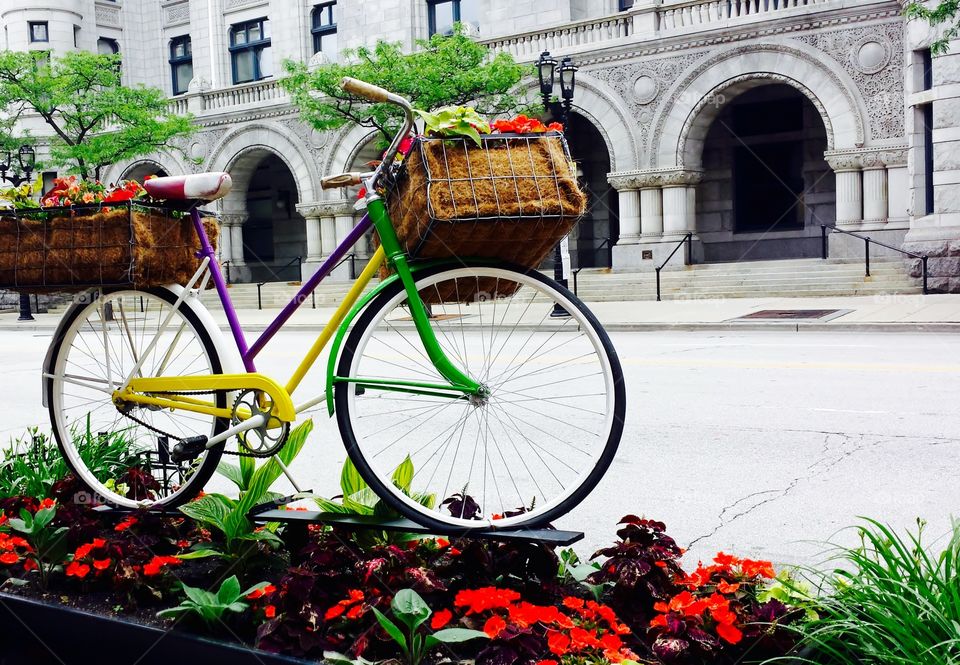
{"x":335,"y":256}
{"x":207,"y":251}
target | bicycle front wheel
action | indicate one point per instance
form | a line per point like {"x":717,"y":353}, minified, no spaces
{"x":526,"y":454}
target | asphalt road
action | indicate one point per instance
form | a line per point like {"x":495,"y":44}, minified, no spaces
{"x":766,"y":444}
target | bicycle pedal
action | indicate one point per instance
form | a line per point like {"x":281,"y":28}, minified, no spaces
{"x":187,"y":449}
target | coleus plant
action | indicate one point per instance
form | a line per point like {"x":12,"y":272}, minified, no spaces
{"x":454,"y":122}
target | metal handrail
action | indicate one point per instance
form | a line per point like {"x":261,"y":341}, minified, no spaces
{"x":576,"y":272}
{"x":688,"y":238}
{"x":824,"y":251}
{"x":348,"y":257}
{"x":226,"y":266}
{"x":298,"y":260}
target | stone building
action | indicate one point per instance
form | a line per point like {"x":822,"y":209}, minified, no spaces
{"x":748,"y":123}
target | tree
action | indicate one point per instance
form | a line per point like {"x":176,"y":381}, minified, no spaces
{"x":95,"y":120}
{"x":945,"y":12}
{"x":446,"y":70}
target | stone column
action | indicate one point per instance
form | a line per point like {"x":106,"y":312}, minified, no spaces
{"x":328,"y":234}
{"x":314,"y":244}
{"x":849,"y":187}
{"x":875,"y":195}
{"x":679,"y":201}
{"x":323,"y":222}
{"x":651,"y":211}
{"x":629,"y":200}
{"x":231,"y":237}
{"x":895,"y":162}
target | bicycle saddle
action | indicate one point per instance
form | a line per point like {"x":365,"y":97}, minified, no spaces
{"x":204,"y":186}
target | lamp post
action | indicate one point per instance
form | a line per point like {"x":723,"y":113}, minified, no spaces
{"x":547,"y":71}
{"x":27,"y":159}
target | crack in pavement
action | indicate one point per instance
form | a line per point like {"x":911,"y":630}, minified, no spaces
{"x":831,"y":454}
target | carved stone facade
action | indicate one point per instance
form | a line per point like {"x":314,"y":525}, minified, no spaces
{"x":654,"y":81}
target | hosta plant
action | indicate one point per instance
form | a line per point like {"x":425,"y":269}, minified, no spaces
{"x":211,"y":607}
{"x":47,"y":543}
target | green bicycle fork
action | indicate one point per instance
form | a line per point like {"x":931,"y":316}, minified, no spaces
{"x":398,"y":260}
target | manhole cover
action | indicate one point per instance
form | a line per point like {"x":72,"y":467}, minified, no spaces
{"x":790,"y":314}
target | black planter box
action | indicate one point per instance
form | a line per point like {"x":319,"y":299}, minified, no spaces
{"x":37,"y":633}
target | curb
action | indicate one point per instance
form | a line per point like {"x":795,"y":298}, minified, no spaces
{"x":720,"y":326}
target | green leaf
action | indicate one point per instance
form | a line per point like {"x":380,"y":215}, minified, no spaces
{"x":410,"y":608}
{"x":452,"y":635}
{"x":328,"y":506}
{"x":199,"y":596}
{"x":233,"y":473}
{"x":200,"y":554}
{"x":212,"y":509}
{"x":229,"y":590}
{"x":392,"y":630}
{"x":403,"y":475}
{"x":350,"y":480}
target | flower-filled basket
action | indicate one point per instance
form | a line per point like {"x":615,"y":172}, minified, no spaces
{"x":507,"y":196}
{"x":111,"y":241}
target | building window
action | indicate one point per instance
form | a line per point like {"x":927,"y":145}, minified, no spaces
{"x":626,"y":4}
{"x":76,"y":36}
{"x":324,"y":30}
{"x":181,"y":63}
{"x":107,"y":46}
{"x":927,"y":120}
{"x":39,"y":32}
{"x":250,"y":51}
{"x":926,"y":69}
{"x":444,"y":13}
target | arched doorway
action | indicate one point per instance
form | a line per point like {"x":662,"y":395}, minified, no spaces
{"x":143,"y":170}
{"x":765,"y":187}
{"x":597,"y":232}
{"x":273,"y":232}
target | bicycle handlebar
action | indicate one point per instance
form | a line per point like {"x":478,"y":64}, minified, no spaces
{"x":342,"y":180}
{"x":363,"y":89}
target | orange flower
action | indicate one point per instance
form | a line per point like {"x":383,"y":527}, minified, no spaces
{"x":102,"y":564}
{"x":757,"y":568}
{"x":270,"y":611}
{"x":157,"y":563}
{"x":440,"y":619}
{"x":29,"y":565}
{"x":47,"y":503}
{"x":572,"y":602}
{"x":726,"y":559}
{"x":442,"y":543}
{"x":494,"y":626}
{"x":334,"y":612}
{"x":725,"y":587}
{"x":659,"y":621}
{"x":547,"y":662}
{"x":355,"y":612}
{"x":486,"y":598}
{"x":9,"y":558}
{"x":125,"y":524}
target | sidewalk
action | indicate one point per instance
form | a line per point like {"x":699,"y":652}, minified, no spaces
{"x":884,"y":313}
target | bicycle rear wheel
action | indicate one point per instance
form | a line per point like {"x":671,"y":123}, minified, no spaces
{"x":525,"y":455}
{"x":118,"y":451}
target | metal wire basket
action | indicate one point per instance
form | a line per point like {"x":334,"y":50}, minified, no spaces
{"x":512,"y":198}
{"x":46,"y":250}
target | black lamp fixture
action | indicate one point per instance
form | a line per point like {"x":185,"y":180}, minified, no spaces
{"x":547,"y":71}
{"x":27,"y":161}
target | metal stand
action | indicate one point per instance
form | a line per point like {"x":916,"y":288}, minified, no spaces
{"x":25,"y":314}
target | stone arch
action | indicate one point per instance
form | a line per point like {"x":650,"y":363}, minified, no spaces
{"x":346,"y":145}
{"x":686,"y":112}
{"x":136,"y":168}
{"x":239,"y":152}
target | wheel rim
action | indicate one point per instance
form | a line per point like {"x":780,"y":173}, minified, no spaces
{"x":99,"y":349}
{"x":536,"y":440}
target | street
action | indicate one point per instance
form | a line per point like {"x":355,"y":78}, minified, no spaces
{"x":763,"y":444}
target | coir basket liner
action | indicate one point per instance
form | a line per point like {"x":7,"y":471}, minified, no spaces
{"x":512,"y":198}
{"x":66,"y":249}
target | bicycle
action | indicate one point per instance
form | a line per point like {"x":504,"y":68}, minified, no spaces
{"x":475,"y":415}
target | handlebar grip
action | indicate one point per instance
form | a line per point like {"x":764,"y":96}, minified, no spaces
{"x":364,"y":89}
{"x":342,"y":180}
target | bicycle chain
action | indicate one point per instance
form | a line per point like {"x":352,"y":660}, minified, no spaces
{"x":157,"y":430}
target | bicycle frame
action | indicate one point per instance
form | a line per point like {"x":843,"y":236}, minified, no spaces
{"x":459,"y":385}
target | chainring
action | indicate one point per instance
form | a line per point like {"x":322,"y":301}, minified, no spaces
{"x":262,"y":441}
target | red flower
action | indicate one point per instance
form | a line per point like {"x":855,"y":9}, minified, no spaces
{"x":9,"y":558}
{"x":102,"y":564}
{"x":725,"y":587}
{"x":270,"y":611}
{"x":157,"y":563}
{"x":726,"y":559}
{"x":757,"y":568}
{"x":659,"y":621}
{"x":442,"y":543}
{"x":494,"y":626}
{"x":581,"y":639}
{"x":77,"y":570}
{"x":558,"y":643}
{"x":729,"y":633}
{"x":355,"y":612}
{"x":29,"y":565}
{"x":125,"y":524}
{"x":572,"y":602}
{"x":47,"y":503}
{"x":440,"y":619}
{"x":547,"y":662}
{"x":334,"y":612}
{"x":486,"y":598}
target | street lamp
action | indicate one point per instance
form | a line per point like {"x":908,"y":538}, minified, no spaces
{"x":27,"y":159}
{"x":547,"y":70}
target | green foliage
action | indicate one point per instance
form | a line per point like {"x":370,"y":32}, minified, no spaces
{"x":411,"y":612}
{"x":96,"y":121}
{"x":572,"y":570}
{"x":358,"y":499}
{"x":31,"y":465}
{"x":24,"y":196}
{"x":944,"y":12}
{"x":210,"y":607}
{"x":48,"y":543}
{"x":790,"y":591}
{"x":455,"y":121}
{"x":446,"y":70}
{"x":229,"y":516}
{"x":889,"y":601}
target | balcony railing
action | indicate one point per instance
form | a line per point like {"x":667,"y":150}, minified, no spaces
{"x":697,"y":13}
{"x":213,"y":101}
{"x":528,"y":45}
